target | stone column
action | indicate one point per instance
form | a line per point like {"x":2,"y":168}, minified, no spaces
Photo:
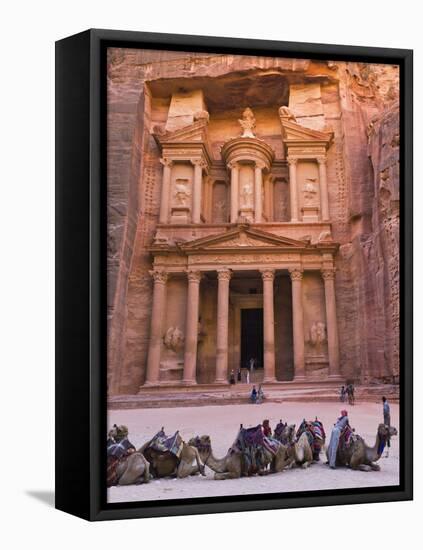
{"x":258,"y":191}
{"x":191,"y":327}
{"x":197,"y":188}
{"x":331,"y":322}
{"x":234,"y":168}
{"x":298,"y":323}
{"x":157,"y":310}
{"x":268,"y":276}
{"x":293,"y":189}
{"x":164,"y":201}
{"x":223,"y":277}
{"x":324,"y":198}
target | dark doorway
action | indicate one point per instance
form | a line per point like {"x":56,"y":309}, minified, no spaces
{"x":252,"y":337}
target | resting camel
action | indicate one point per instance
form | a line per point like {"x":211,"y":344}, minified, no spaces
{"x":232,"y":465}
{"x":166,"y":464}
{"x":358,"y":456}
{"x":132,"y":467}
{"x":299,"y":449}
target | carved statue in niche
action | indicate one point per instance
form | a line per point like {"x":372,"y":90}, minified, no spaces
{"x":285,"y":113}
{"x":181,"y":193}
{"x":318,"y":336}
{"x":310,"y":192}
{"x":174,"y":339}
{"x":219,"y":211}
{"x":248,"y":123}
{"x":247,"y":194}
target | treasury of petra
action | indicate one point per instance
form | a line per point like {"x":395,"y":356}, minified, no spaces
{"x":253,"y":212}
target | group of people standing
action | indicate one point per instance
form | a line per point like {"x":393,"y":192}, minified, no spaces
{"x":251,"y":365}
{"x":347,"y":394}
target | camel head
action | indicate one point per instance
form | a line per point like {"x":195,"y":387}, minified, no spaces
{"x":384,"y":431}
{"x":392,"y":431}
{"x":118,"y":432}
{"x":202,"y":443}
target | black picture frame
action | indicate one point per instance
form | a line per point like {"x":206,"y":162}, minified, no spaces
{"x":81,"y":274}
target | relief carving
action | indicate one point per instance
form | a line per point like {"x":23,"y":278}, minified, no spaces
{"x":310,"y":192}
{"x":181,"y":192}
{"x":174,"y":339}
{"x":248,"y":123}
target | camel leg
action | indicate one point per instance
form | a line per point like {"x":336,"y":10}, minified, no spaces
{"x":226,"y":475}
{"x":374,"y":467}
{"x":200,"y":465}
{"x":185,"y":470}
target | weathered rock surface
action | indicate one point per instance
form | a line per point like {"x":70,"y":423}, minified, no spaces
{"x":358,"y":102}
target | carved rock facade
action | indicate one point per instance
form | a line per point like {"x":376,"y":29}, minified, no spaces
{"x":288,"y":204}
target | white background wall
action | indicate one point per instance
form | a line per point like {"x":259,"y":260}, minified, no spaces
{"x":28,"y":32}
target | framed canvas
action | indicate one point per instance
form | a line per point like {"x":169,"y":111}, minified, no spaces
{"x":234,"y":274}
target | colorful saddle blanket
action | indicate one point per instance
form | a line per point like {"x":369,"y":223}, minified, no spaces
{"x":346,"y":435}
{"x":279,"y":430}
{"x":117,"y":452}
{"x":119,"y":449}
{"x":162,"y":443}
{"x":255,"y":438}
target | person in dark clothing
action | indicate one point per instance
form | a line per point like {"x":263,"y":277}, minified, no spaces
{"x":232,"y":377}
{"x":387,"y":422}
{"x":253,"y":396}
{"x":239,"y":375}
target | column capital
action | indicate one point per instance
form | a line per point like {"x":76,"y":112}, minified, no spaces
{"x":231,"y":165}
{"x":292,"y":161}
{"x":328,"y":274}
{"x":166,"y":161}
{"x":321,"y":160}
{"x":224,"y":274}
{"x":260,"y":164}
{"x":267,"y":274}
{"x":198,"y":162}
{"x":194,"y":276}
{"x":159,"y":275}
{"x":296,"y":274}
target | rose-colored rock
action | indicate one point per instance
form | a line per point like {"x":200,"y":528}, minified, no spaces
{"x":152,"y":94}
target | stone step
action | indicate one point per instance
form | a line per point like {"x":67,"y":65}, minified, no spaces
{"x":240,"y":393}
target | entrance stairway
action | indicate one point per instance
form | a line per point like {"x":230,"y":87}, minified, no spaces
{"x":213,"y":394}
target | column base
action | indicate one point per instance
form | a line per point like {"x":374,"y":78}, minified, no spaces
{"x":150,"y":384}
{"x":188,"y":382}
{"x":300,"y":378}
{"x":222,"y":382}
{"x":269,"y":380}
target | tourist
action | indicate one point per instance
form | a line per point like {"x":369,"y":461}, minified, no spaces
{"x":260,"y":395}
{"x":247,"y":376}
{"x":253,"y":396}
{"x":350,"y":393}
{"x":337,"y":430}
{"x":342,"y":394}
{"x":239,"y":375}
{"x":387,"y":422}
{"x":232,"y":377}
{"x":252,"y":364}
{"x":267,"y":430}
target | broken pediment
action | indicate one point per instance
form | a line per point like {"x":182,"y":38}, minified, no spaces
{"x":294,"y":133}
{"x":195,"y":131}
{"x":243,"y":238}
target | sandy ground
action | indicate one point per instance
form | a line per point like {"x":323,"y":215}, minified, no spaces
{"x":222,"y":423}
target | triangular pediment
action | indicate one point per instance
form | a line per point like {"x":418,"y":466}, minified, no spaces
{"x":295,"y":132}
{"x":197,"y":131}
{"x":243,"y":238}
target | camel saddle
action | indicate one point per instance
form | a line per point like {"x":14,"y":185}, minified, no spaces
{"x":164,"y":444}
{"x":117,"y":452}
